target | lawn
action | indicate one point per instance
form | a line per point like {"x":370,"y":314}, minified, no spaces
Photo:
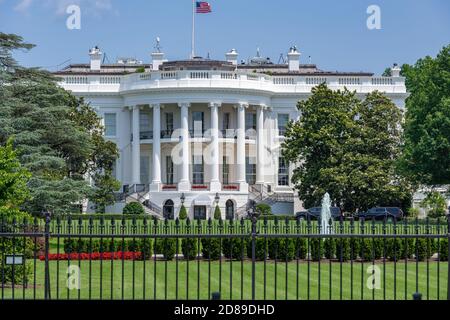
{"x":136,"y":280}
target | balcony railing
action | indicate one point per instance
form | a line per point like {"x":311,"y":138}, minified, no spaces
{"x":146,"y":135}
{"x":228,"y":133}
{"x":166,"y":134}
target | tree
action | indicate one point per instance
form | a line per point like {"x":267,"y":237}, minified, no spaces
{"x":348,"y":148}
{"x":435,"y":203}
{"x":104,"y":188}
{"x":426,"y":150}
{"x":183,"y":213}
{"x":58,"y":137}
{"x":217,"y":213}
{"x":13,"y":178}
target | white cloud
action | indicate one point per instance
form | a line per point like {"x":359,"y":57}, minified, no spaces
{"x":60,"y":6}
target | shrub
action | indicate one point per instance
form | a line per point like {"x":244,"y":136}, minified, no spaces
{"x":329,"y":248}
{"x":183,"y":213}
{"x":189,"y":247}
{"x":211,"y":248}
{"x":301,"y":248}
{"x":133,"y":208}
{"x":261,"y":249}
{"x":264,"y":209}
{"x":146,"y":248}
{"x":281,"y":249}
{"x":366,"y":250}
{"x":166,"y":247}
{"x":355,"y":245}
{"x":343,"y":252}
{"x":394,"y":249}
{"x":22,"y":273}
{"x":217,"y":213}
{"x":424,"y":248}
{"x":407,"y":248}
{"x":443,"y":249}
{"x":316,"y":249}
{"x":122,"y":246}
{"x":233,"y":248}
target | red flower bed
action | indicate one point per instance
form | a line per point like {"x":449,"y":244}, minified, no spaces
{"x":94,"y":256}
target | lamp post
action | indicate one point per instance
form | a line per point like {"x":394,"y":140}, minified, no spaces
{"x":182,"y":198}
{"x":217,"y":199}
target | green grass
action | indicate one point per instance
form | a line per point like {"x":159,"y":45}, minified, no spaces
{"x":96,"y":280}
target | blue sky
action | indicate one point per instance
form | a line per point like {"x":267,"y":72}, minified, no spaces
{"x":333,"y":33}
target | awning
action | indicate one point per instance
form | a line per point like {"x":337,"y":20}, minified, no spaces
{"x":202,"y":200}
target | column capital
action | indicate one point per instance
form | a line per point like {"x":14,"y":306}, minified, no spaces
{"x":263,"y":106}
{"x":215,"y":104}
{"x":156,"y":105}
{"x":244,"y":105}
{"x":184,"y":104}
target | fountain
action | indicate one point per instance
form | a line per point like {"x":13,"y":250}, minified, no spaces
{"x":325,"y":215}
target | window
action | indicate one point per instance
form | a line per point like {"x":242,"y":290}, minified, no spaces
{"x":283,"y":172}
{"x":250,"y":167}
{"x":144,"y":121}
{"x":198,"y":125}
{"x":169,"y":121}
{"x":169,"y":170}
{"x":225,"y":171}
{"x":168,"y":210}
{"x":229,"y":210}
{"x":283,"y":120}
{"x":145,"y":170}
{"x":197,"y":170}
{"x":226,"y":121}
{"x":200,"y":212}
{"x":250,"y":121}
{"x":110,"y":125}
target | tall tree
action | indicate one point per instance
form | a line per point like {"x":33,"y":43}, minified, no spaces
{"x":58,"y":137}
{"x":348,"y":148}
{"x":426,"y":152}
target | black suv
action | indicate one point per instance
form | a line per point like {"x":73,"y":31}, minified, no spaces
{"x":314,"y":213}
{"x":382,"y":213}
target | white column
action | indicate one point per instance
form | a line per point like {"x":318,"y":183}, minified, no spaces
{"x":240,"y":148}
{"x":215,"y":181}
{"x":260,"y":145}
{"x":156,"y":181}
{"x":136,"y":148}
{"x":184,"y":183}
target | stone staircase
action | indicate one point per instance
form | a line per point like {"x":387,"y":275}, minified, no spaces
{"x":137,"y":193}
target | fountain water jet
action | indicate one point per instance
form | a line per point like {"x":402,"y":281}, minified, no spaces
{"x":325,"y":215}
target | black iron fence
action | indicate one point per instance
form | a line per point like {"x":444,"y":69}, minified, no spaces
{"x":141,"y":258}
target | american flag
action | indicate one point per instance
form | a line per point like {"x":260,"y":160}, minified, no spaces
{"x":203,"y":7}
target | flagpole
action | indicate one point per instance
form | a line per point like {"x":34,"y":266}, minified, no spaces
{"x":193,"y":30}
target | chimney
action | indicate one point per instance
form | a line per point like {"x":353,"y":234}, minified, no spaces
{"x":232,"y":57}
{"x":294,"y":59}
{"x":395,"y":71}
{"x":96,"y":58}
{"x":157,"y":60}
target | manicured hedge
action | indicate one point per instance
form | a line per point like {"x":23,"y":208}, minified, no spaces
{"x":189,"y":248}
{"x":281,"y":249}
{"x":234,"y":248}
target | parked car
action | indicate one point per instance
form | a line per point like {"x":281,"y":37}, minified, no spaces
{"x":314,"y":213}
{"x":382,"y":213}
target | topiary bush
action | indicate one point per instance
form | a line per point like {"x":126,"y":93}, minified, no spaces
{"x":183,"y":213}
{"x":366,"y":250}
{"x":355,"y":245}
{"x":301,"y":248}
{"x":343,"y":252}
{"x":189,"y":248}
{"x":316,"y":249}
{"x":133,"y":208}
{"x":424,"y":248}
{"x":261,"y":249}
{"x":394,"y":249}
{"x":443,"y":249}
{"x":264,"y":209}
{"x":211,"y":248}
{"x":281,"y":249}
{"x":146,"y":248}
{"x":217,"y":213}
{"x":166,"y":247}
{"x":234,"y":248}
{"x":329,"y":248}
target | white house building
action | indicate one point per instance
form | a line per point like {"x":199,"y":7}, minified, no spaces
{"x":206,"y":132}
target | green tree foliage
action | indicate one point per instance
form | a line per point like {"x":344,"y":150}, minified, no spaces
{"x":58,"y":137}
{"x":426,"y":151}
{"x":347,"y":147}
{"x":435,"y":203}
{"x":133,"y":208}
{"x":217,"y":213}
{"x":13,"y":178}
{"x":264,"y":209}
{"x":183,"y":213}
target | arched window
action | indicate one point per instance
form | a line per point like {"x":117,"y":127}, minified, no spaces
{"x":229,"y":210}
{"x":169,"y":210}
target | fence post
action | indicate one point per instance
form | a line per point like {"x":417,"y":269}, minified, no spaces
{"x":254,"y":217}
{"x":47,"y":246}
{"x":448,"y":256}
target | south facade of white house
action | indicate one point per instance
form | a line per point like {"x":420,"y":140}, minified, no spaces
{"x":203,"y":132}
